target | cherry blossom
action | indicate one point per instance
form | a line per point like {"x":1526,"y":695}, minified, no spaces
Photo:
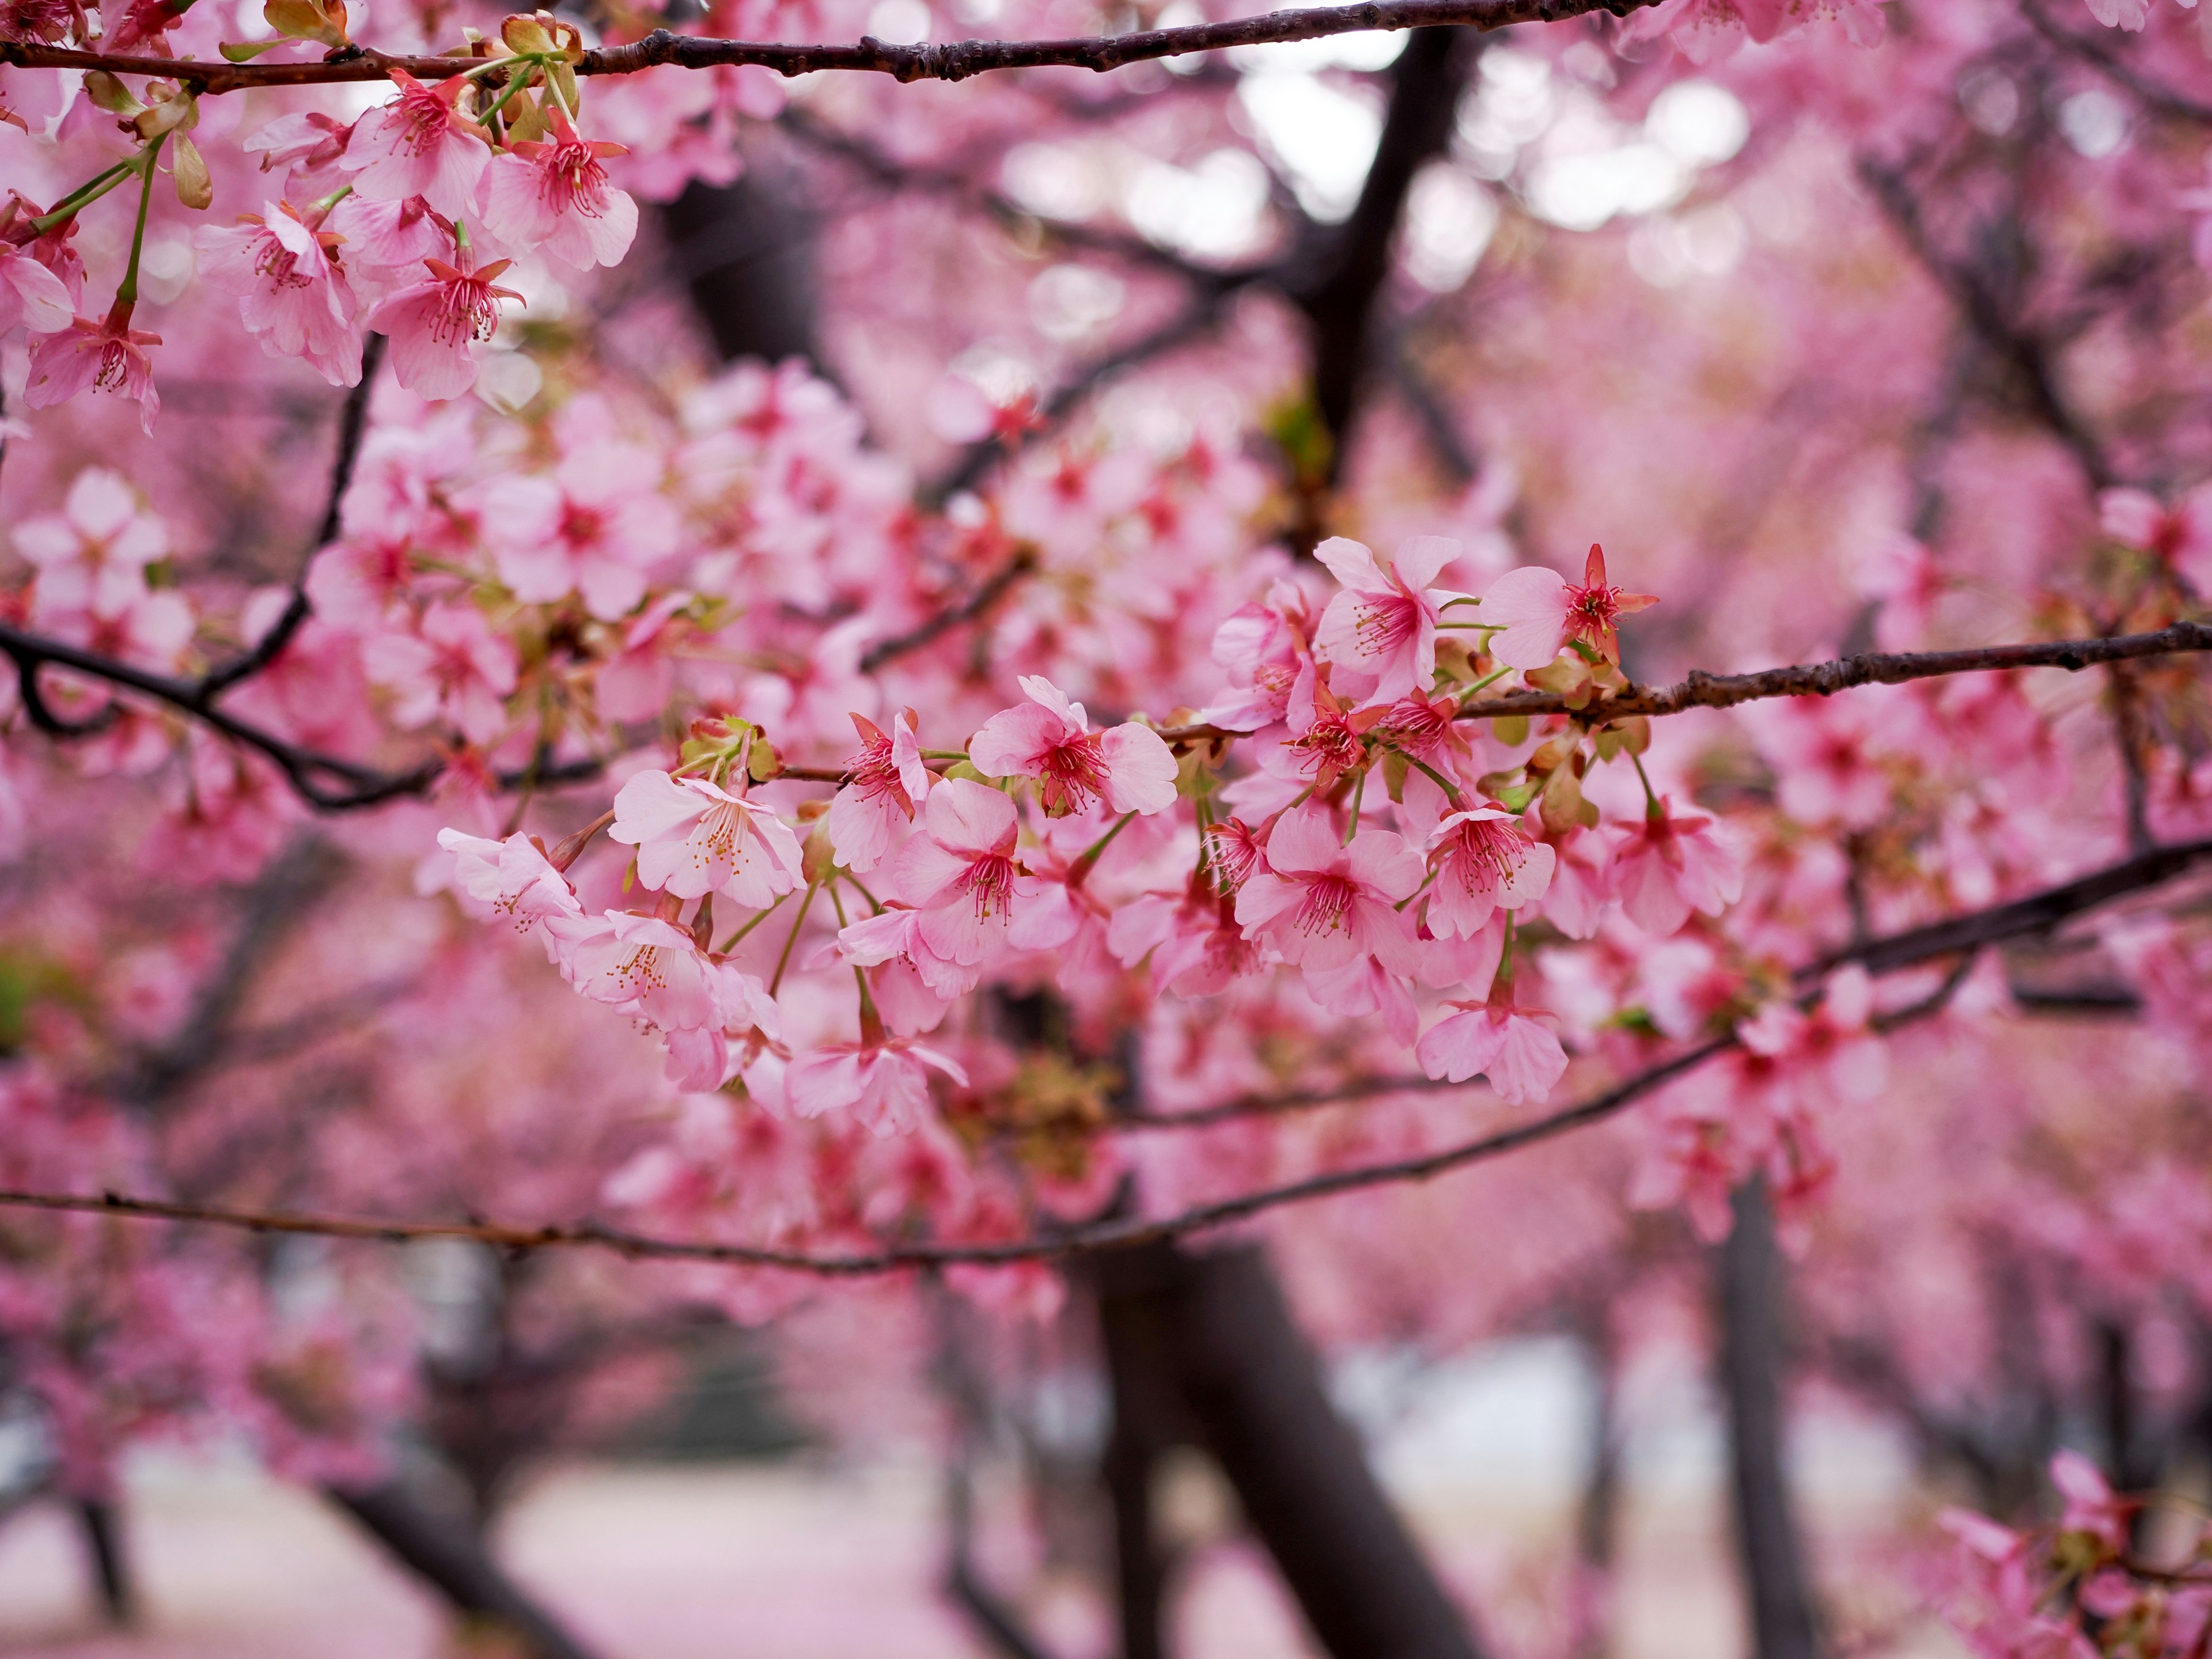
{"x":1483,"y":864}
{"x":511,"y":878}
{"x":1671,"y":864}
{"x":436,"y":326}
{"x":106,"y":355}
{"x":595,"y":528}
{"x":452,"y":666}
{"x":641,"y":965}
{"x":694,"y":837}
{"x":1126,"y":768}
{"x":1540,"y":613}
{"x":1510,"y":1045}
{"x":31,"y":296}
{"x":961,"y":874}
{"x":555,"y":196}
{"x":1383,"y":624}
{"x":92,"y":556}
{"x":419,"y":144}
{"x":885,"y":781}
{"x":882,"y":1085}
{"x":291,"y":296}
{"x":1323,"y":903}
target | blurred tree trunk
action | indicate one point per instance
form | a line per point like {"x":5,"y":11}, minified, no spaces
{"x":745,"y":251}
{"x":1597,"y":1520}
{"x":452,"y":1557}
{"x":1779,"y":1593}
{"x":110,"y":1567}
{"x":1341,"y":302}
{"x":1212,"y":1328}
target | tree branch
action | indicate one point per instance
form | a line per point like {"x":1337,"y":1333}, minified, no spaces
{"x":353,"y":424}
{"x":2099,"y":56}
{"x":955,"y":60}
{"x":310,"y":771}
{"x":986,"y":594}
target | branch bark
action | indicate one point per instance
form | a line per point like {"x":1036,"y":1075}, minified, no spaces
{"x":954,"y":60}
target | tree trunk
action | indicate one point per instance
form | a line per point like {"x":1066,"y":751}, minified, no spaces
{"x":1341,"y":305}
{"x":1783,"y":1622}
{"x":746,"y":250}
{"x":1253,"y":1390}
{"x":1597,"y":1523}
{"x":110,"y":1567}
{"x":454,"y":1561}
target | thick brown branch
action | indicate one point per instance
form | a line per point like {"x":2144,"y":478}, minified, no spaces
{"x":955,"y":60}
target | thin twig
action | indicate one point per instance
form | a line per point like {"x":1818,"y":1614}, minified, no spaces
{"x":955,"y":60}
{"x":986,"y":594}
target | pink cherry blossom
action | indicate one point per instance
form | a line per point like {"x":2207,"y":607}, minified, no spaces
{"x":1322,"y":904}
{"x":1264,"y":649}
{"x":883,"y":783}
{"x":1520,"y":1056}
{"x":1541,"y":611}
{"x":2091,"y":1506}
{"x":1128,"y":768}
{"x":961,"y":874}
{"x":1195,"y":946}
{"x":107,"y":355}
{"x":92,"y":556}
{"x":747,"y":1024}
{"x":452,"y":666}
{"x":291,"y":296}
{"x":1669,"y":864}
{"x":883,"y":1086}
{"x":913,"y":984}
{"x":419,"y":144}
{"x":1483,"y":864}
{"x":594,"y":528}
{"x":693,"y":837}
{"x":640,"y":965}
{"x":31,"y":296}
{"x":310,"y":146}
{"x":511,"y":878}
{"x":1383,"y":624}
{"x":555,"y":198}
{"x":2180,"y":535}
{"x":436,"y":326}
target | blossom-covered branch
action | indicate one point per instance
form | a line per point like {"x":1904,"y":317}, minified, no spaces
{"x":953,"y":60}
{"x":2035,"y":914}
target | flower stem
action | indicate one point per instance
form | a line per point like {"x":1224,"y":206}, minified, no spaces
{"x":1082,"y":866}
{"x":516,"y":84}
{"x":870,"y":1018}
{"x":128,"y":294}
{"x":1359,"y":794}
{"x":1450,"y":789}
{"x":1484,"y":684}
{"x":731,"y":942}
{"x":792,"y":938}
{"x":1652,"y":806}
{"x":84,"y":195}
